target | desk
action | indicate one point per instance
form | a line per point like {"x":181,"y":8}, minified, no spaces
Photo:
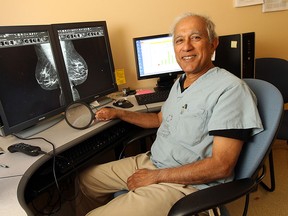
{"x":14,"y":179}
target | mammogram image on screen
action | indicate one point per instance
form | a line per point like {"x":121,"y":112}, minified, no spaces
{"x":85,"y":51}
{"x":29,"y":76}
{"x":46,"y":73}
{"x":76,"y":67}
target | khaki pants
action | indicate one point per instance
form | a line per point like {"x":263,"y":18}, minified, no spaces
{"x":99,"y":183}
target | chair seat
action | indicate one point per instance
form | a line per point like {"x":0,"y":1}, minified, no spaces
{"x":118,"y":193}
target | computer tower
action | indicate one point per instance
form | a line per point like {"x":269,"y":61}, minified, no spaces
{"x":236,"y":53}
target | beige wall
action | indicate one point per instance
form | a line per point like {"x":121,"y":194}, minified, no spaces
{"x":131,"y":18}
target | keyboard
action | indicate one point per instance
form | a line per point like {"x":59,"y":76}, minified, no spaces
{"x":77,"y":155}
{"x":154,"y":97}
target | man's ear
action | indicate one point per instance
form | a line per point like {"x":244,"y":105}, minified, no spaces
{"x":215,"y":43}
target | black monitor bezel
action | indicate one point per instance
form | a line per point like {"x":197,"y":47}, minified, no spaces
{"x":63,"y":26}
{"x":12,"y":129}
{"x":162,"y":75}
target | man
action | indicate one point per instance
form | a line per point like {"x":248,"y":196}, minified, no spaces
{"x":202,"y":127}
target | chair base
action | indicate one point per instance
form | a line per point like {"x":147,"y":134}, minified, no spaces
{"x":272,"y":175}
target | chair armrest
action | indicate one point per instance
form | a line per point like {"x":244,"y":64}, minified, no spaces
{"x":136,"y":134}
{"x":212,"y":197}
{"x":140,"y":134}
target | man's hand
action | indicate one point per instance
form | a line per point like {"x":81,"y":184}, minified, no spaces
{"x":106,"y":114}
{"x":142,"y":177}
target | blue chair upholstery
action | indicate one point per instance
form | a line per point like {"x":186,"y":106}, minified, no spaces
{"x":250,"y":163}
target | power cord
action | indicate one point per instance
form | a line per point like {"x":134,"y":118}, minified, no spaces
{"x":54,"y":156}
{"x":53,"y":206}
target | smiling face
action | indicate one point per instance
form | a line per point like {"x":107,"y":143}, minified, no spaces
{"x":192,"y":46}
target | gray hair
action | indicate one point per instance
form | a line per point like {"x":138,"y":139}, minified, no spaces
{"x":210,"y":26}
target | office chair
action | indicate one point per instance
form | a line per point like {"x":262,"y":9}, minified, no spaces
{"x":250,"y":162}
{"x":275,"y":71}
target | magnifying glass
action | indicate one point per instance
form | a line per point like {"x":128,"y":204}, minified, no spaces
{"x":79,"y":115}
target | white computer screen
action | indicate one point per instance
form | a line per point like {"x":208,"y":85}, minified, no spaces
{"x":155,"y":56}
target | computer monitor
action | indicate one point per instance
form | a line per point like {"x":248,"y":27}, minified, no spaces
{"x":31,"y":88}
{"x":155,"y":58}
{"x":86,"y":53}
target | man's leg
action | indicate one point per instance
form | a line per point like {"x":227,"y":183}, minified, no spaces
{"x":156,"y":200}
{"x":98,"y":183}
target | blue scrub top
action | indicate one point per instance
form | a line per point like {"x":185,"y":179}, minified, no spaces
{"x":217,"y":100}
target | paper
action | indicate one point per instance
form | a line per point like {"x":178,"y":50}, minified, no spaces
{"x":242,"y":3}
{"x":120,"y":76}
{"x":144,"y":91}
{"x":274,"y":5}
{"x":233,"y":44}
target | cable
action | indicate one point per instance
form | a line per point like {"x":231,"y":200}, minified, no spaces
{"x":49,"y":204}
{"x":53,"y":155}
{"x":53,"y":206}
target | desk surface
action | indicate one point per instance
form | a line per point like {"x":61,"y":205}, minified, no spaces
{"x":13,"y":179}
{"x":9,"y":201}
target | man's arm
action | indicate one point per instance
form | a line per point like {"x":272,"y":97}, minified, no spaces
{"x":145,"y":120}
{"x":220,"y":165}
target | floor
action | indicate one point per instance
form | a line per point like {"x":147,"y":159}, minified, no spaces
{"x":264,"y":203}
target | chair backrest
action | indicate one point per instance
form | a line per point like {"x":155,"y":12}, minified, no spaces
{"x":275,"y":71}
{"x":270,"y":106}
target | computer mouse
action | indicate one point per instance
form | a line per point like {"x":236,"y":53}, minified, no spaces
{"x":123,"y":103}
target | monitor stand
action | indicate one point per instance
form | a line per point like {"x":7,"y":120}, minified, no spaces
{"x":104,"y":100}
{"x":101,"y":101}
{"x":165,"y":82}
{"x":39,"y":127}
